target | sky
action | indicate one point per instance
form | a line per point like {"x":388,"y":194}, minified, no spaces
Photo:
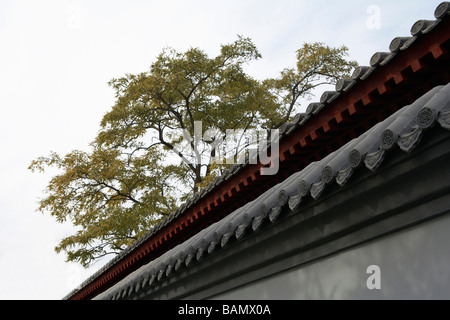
{"x":56,"y":58}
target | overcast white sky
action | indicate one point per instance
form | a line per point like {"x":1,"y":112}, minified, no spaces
{"x":56,"y":58}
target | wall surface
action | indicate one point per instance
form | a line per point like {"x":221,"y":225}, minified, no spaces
{"x":414,"y":264}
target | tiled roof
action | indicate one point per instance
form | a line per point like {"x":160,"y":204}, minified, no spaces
{"x":316,"y":111}
{"x":402,"y":130}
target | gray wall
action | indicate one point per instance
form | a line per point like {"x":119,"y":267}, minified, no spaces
{"x":414,"y":264}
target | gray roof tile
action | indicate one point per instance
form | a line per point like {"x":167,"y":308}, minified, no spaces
{"x":442,"y":10}
{"x":344,"y":85}
{"x":398,"y":43}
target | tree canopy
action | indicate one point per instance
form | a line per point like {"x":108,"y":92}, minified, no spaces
{"x":141,"y":165}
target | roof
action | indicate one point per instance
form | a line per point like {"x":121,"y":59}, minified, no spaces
{"x":403,"y":130}
{"x":393,"y":80}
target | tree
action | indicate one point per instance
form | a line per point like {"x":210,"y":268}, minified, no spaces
{"x":317,"y":65}
{"x":150,"y":153}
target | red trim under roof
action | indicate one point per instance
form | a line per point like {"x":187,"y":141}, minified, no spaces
{"x":409,"y":74}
